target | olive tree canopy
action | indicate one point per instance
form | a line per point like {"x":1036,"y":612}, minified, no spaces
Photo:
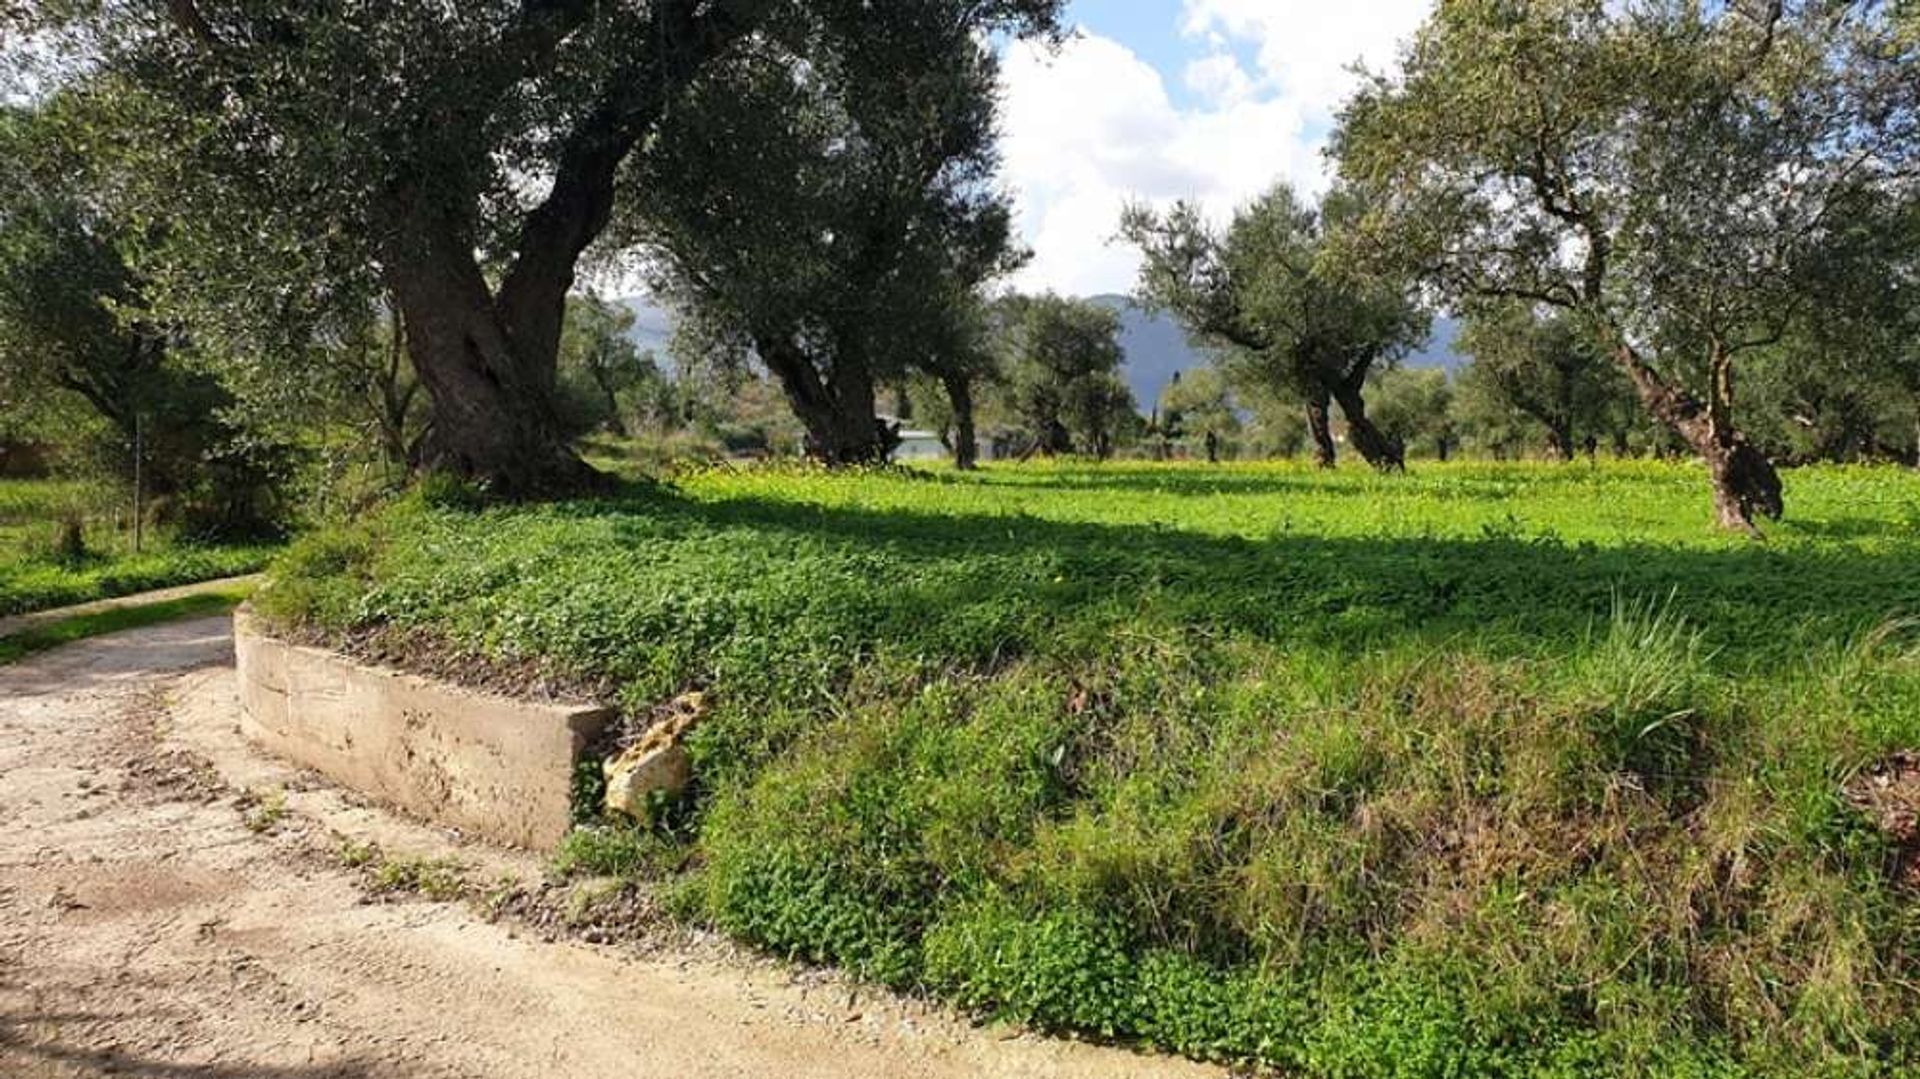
{"x":1670,"y":172}
{"x":826,"y":199}
{"x":1277,"y":298}
{"x":463,"y":157}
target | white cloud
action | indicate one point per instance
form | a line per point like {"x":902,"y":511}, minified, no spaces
{"x":1219,"y":79}
{"x":1092,"y":126}
{"x":1306,"y":47}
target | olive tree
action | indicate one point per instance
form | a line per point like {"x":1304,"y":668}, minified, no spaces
{"x":1275,"y":295}
{"x":826,"y":200}
{"x":465,"y":157}
{"x":1544,"y":367}
{"x":1200,"y":404}
{"x":1667,"y":171}
{"x":1415,"y":409}
{"x":73,"y":331}
{"x":959,"y":356}
{"x":601,"y":368}
{"x":1844,"y":381}
{"x":1062,"y":359}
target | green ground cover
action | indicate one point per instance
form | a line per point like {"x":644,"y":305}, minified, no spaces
{"x":37,"y":573}
{"x":1484,"y":770}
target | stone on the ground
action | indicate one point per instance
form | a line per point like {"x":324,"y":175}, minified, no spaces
{"x":656,"y":763}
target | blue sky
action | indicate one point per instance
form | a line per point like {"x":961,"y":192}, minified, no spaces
{"x":1150,"y":29}
{"x":1211,"y":100}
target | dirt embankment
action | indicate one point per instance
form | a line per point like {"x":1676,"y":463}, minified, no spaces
{"x":169,"y":907}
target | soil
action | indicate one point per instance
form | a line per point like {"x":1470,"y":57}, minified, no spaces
{"x":1889,"y":794}
{"x":173,"y":904}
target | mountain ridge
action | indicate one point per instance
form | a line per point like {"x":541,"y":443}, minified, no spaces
{"x":1156,"y":346}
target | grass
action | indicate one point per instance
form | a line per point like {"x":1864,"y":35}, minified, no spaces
{"x":25,"y":500}
{"x":38,"y":570}
{"x":439,"y":879}
{"x":264,"y":810}
{"x":79,"y":627}
{"x":1485,"y":770}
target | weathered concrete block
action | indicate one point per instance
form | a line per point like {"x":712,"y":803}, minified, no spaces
{"x":495,"y":767}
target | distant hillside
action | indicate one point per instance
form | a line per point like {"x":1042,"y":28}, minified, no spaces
{"x":1156,"y":347}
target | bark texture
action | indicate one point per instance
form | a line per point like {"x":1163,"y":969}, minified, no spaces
{"x":493,"y":410}
{"x":1320,"y":430}
{"x":1746,"y":486}
{"x":966,"y":443}
{"x":836,"y":407}
{"x":489,"y":357}
{"x":1379,"y":449}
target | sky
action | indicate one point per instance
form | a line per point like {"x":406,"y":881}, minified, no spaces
{"x":1157,"y":100}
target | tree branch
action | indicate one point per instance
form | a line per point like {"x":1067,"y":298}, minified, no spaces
{"x":532,"y":298}
{"x":186,"y":15}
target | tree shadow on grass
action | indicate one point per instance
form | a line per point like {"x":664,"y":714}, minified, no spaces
{"x":1760,"y":604}
{"x":1183,"y":482}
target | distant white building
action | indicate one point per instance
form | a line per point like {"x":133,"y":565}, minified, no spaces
{"x":918,"y":445}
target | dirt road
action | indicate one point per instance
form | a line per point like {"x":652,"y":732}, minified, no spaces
{"x":153,"y":925}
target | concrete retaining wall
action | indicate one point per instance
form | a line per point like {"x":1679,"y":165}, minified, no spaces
{"x":491,"y":766}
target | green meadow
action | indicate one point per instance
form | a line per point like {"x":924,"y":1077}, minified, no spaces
{"x":1484,"y":770}
{"x":42,"y":565}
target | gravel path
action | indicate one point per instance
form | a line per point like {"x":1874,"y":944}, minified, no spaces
{"x":151,"y":924}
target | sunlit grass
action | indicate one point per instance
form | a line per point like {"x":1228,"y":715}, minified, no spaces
{"x":1483,"y":770}
{"x":39,"y":568}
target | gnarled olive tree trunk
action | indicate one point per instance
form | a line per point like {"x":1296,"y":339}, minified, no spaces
{"x":966,"y":443}
{"x":1053,"y":438}
{"x":1379,"y":449}
{"x":1745,"y":483}
{"x":1560,"y":439}
{"x":1320,"y":428}
{"x":836,"y":409}
{"x":488,"y":356}
{"x":492,"y":392}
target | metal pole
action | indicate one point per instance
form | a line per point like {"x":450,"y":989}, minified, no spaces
{"x":139,"y":518}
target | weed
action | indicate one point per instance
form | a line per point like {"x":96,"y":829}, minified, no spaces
{"x":617,"y":850}
{"x":439,"y":879}
{"x":588,"y":795}
{"x":265,"y":810}
{"x":355,"y":854}
{"x":501,"y":895}
{"x":585,"y":898}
